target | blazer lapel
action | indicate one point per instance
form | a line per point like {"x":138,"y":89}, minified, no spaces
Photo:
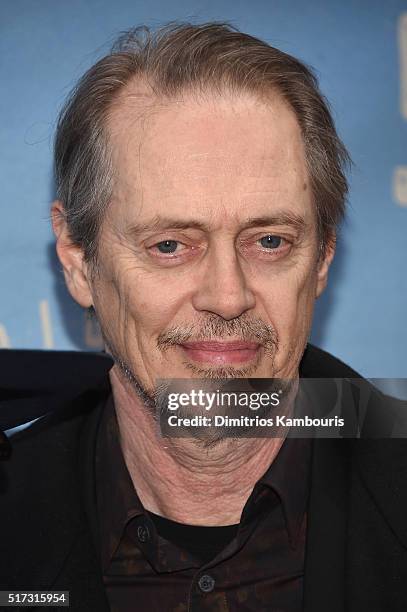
{"x":82,"y":568}
{"x":324,"y":583}
{"x":380,"y":458}
{"x":382,"y":465}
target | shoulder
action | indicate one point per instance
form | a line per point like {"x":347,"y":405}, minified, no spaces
{"x":41,"y":481}
{"x":42,"y":489}
{"x":317,"y":363}
{"x":49,"y":371}
{"x":34,"y":383}
{"x":49,"y":448}
{"x":59,"y":391}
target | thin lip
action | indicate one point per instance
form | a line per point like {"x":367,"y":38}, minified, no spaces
{"x":215,"y":346}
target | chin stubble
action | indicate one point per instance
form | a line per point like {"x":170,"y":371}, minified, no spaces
{"x":213,"y":327}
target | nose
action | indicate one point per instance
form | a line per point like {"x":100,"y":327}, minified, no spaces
{"x":224,"y":288}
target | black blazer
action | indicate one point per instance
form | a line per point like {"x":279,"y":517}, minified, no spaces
{"x":356,"y":550}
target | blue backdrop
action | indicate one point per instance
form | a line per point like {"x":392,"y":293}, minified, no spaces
{"x":359,"y":50}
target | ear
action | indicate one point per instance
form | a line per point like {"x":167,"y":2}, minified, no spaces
{"x":71,"y":258}
{"x":324,"y":263}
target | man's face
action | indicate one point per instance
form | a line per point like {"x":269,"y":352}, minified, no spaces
{"x":209,"y":253}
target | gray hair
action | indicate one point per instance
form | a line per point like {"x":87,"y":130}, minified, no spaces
{"x":175,"y":59}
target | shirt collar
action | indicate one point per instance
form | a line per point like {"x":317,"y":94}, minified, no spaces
{"x":289,"y":477}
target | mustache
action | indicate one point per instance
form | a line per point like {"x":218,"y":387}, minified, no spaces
{"x":215,"y":328}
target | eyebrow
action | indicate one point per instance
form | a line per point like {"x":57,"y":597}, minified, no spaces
{"x":157,"y":223}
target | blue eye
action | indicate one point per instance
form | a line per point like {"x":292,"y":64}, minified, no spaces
{"x":270,"y":241}
{"x":167,"y":246}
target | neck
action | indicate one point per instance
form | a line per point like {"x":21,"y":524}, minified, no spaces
{"x":180,"y":479}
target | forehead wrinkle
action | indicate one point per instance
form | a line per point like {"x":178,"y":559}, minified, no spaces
{"x":205,"y":186}
{"x":178,"y":172}
{"x":221,"y":162}
{"x":180,"y":152}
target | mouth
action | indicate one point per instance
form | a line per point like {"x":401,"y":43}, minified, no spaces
{"x":221,"y":353}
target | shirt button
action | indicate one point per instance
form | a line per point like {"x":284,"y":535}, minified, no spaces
{"x":143,"y":533}
{"x":206,"y":583}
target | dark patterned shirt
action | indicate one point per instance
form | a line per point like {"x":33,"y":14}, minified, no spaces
{"x":153,"y":564}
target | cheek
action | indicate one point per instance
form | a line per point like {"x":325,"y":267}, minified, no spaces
{"x":151,"y":305}
{"x":289,"y":305}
